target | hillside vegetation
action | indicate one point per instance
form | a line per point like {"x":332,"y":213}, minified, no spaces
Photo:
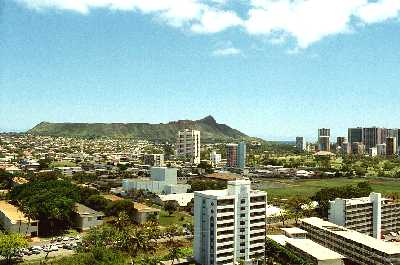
{"x":211,"y":131}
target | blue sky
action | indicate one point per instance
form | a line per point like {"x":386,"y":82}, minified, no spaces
{"x":273,"y":69}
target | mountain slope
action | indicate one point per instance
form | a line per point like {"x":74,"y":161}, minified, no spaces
{"x":211,"y":131}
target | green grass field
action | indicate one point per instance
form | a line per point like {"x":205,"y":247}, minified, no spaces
{"x":178,"y":218}
{"x":284,"y":188}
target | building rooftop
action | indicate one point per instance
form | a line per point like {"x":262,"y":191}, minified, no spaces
{"x":293,"y":230}
{"x":385,"y":247}
{"x":144,"y":208}
{"x":84,"y":210}
{"x":112,"y":197}
{"x":182,"y":198}
{"x":224,"y":176}
{"x":13,"y":213}
{"x":315,"y":250}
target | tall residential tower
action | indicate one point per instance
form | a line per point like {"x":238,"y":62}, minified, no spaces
{"x":229,"y":225}
{"x":188,"y":145}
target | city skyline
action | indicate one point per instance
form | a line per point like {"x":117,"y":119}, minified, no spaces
{"x":103,"y":62}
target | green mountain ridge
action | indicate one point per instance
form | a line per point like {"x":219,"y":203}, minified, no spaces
{"x":211,"y":131}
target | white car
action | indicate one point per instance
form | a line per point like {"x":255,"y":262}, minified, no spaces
{"x":53,"y":248}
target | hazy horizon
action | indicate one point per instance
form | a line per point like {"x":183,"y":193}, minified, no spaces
{"x":271,"y":69}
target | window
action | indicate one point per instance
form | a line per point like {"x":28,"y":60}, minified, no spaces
{"x":242,"y":222}
{"x":242,"y":215}
{"x":242,"y":201}
{"x":242,"y":208}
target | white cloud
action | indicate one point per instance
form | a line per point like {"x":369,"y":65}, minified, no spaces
{"x":213,"y":21}
{"x":226,"y":49}
{"x":379,"y":11}
{"x":307,"y":21}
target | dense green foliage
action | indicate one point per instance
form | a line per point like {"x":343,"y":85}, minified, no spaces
{"x":51,"y":202}
{"x":323,"y":196}
{"x":117,"y":207}
{"x":210,"y":130}
{"x":278,"y":254}
{"x":199,"y":185}
{"x":96,"y":256}
{"x":5,"y":179}
{"x":10,"y":244}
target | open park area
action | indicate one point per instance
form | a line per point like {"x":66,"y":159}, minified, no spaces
{"x":286,"y":188}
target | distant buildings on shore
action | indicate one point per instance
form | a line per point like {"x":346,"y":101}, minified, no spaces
{"x":372,"y":141}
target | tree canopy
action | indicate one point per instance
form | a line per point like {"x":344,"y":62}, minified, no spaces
{"x":51,"y":202}
{"x":10,"y":244}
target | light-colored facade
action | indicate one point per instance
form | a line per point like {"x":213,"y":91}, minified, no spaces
{"x":359,"y":248}
{"x":14,"y":221}
{"x":143,"y":212}
{"x":312,"y":252}
{"x":381,"y":149}
{"x":86,"y":218}
{"x":324,"y":143}
{"x":373,"y":215}
{"x":188,"y":145}
{"x":163,"y":181}
{"x":154,"y":160}
{"x":215,"y":158}
{"x":229,"y":225}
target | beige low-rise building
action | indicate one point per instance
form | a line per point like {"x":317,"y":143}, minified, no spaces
{"x":14,"y":221}
{"x":86,"y":218}
{"x":143,"y":212}
{"x":359,"y":248}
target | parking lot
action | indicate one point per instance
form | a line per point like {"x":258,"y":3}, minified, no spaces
{"x":59,"y":246}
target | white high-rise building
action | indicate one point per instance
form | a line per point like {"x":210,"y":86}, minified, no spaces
{"x":188,"y":145}
{"x":373,"y":215}
{"x":215,"y":158}
{"x":230,"y":224}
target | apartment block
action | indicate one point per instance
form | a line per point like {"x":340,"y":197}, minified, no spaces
{"x":373,"y":215}
{"x":300,"y":144}
{"x":355,"y":135}
{"x":391,"y":146}
{"x":215,"y":158}
{"x":357,"y":247}
{"x":154,"y":160}
{"x":229,"y":225}
{"x":188,"y":145}
{"x":236,"y":155}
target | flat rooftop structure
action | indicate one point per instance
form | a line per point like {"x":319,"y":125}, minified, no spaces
{"x":13,"y":213}
{"x":362,"y":200}
{"x":144,"y":208}
{"x":112,"y":197}
{"x":181,"y":198}
{"x":315,"y":250}
{"x":307,"y":246}
{"x":224,"y":176}
{"x":380,"y":245}
{"x":294,"y":231}
{"x":85,"y":211}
